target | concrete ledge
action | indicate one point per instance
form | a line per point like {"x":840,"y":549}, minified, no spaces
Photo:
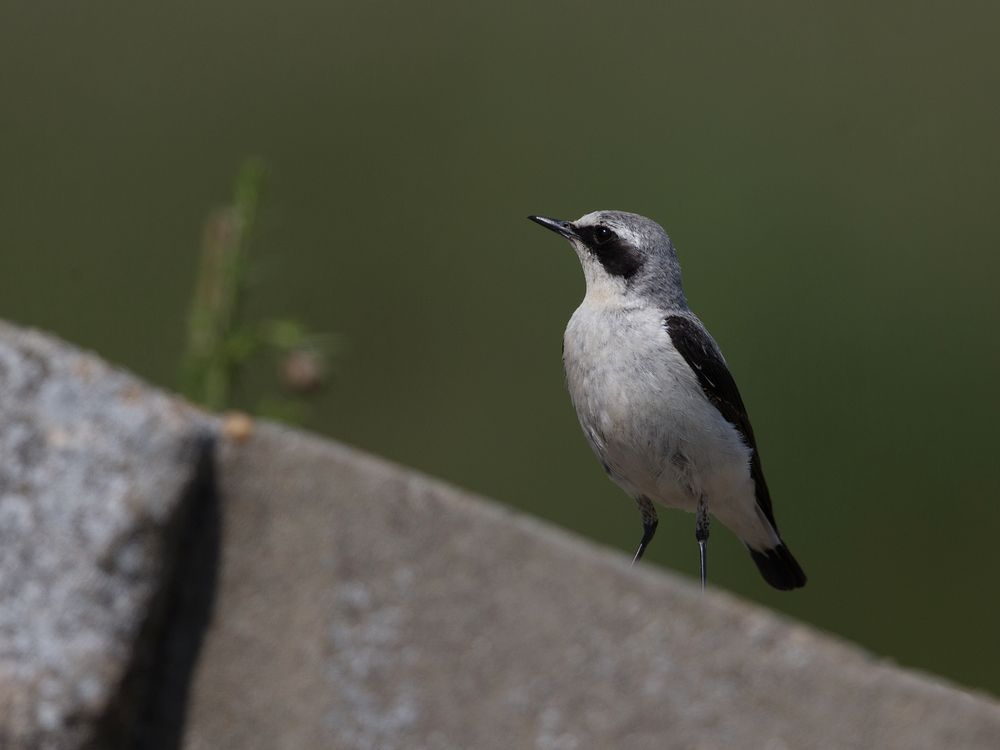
{"x":367,"y":606}
{"x":288,"y":592}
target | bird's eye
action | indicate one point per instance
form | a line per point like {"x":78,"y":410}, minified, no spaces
{"x":602,"y":235}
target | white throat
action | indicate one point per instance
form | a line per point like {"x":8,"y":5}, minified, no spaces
{"x":603,"y":289}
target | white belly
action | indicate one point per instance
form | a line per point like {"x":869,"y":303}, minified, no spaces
{"x":645,"y":415}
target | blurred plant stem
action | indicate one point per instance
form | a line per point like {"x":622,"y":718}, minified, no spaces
{"x":216,"y":345}
{"x":219,"y":340}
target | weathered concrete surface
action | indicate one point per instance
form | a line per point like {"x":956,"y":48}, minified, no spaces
{"x":360,"y":605}
{"x":93,"y":470}
{"x":363,"y":606}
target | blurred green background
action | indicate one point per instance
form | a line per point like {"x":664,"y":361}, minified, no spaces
{"x":828,"y":174}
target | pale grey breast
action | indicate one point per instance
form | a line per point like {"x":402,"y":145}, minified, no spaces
{"x":643,"y":411}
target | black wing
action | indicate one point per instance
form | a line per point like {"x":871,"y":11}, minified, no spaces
{"x":704,"y":357}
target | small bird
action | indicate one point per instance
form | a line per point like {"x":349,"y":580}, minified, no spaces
{"x":654,"y":396}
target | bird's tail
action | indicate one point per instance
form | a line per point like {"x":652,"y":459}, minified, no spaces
{"x":778,"y":567}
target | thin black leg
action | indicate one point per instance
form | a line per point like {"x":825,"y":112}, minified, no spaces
{"x":701,"y":534}
{"x":648,"y":529}
{"x":649,"y":522}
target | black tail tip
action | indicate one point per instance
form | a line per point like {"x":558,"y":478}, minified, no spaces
{"x":779,"y":568}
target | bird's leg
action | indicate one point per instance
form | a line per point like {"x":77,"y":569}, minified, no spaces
{"x":649,"y":522}
{"x":648,"y":529}
{"x":701,"y":534}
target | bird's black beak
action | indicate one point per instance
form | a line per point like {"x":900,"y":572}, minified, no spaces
{"x":565,"y":228}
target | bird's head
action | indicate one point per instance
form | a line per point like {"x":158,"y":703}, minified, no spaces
{"x":623,"y":255}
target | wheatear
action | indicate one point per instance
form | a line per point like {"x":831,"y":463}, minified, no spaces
{"x":654,"y":396}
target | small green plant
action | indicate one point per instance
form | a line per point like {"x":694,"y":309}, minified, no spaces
{"x":220,"y":341}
